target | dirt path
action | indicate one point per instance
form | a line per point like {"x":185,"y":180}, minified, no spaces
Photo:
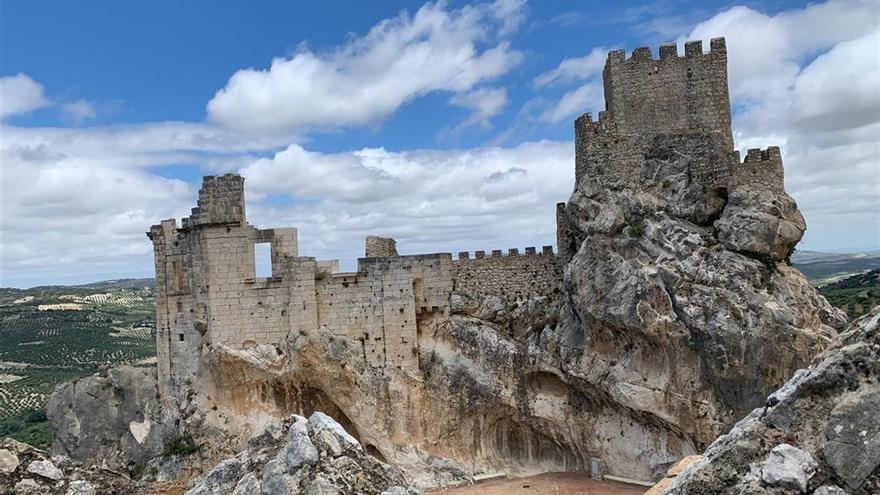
{"x":547,"y":484}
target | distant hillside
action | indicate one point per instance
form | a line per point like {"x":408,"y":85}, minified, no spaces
{"x":855,"y":295}
{"x":52,"y":334}
{"x":823,"y":268}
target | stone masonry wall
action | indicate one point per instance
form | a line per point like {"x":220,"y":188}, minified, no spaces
{"x":761,"y":169}
{"x":511,"y":276}
{"x":380,"y":246}
{"x":209,"y":292}
{"x":671,"y":94}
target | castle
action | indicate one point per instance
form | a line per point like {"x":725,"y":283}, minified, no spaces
{"x":208,"y":292}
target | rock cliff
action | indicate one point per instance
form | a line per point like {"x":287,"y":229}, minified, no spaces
{"x":819,"y":433}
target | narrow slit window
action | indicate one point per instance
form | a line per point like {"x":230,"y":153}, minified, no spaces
{"x":180,"y":337}
{"x":263,"y":260}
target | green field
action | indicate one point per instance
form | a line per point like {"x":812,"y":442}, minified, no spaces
{"x":855,"y":295}
{"x":49,"y":335}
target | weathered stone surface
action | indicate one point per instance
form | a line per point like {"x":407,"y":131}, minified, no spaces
{"x":304,"y":464}
{"x":821,"y":407}
{"x":45,"y":469}
{"x":761,"y":222}
{"x":829,"y":490}
{"x":81,"y":487}
{"x":221,"y":480}
{"x":300,"y":449}
{"x":37,"y":473}
{"x":247,"y":485}
{"x":787,"y":466}
{"x":8,"y":461}
{"x":853,"y":432}
{"x":27,"y":486}
{"x":115,"y":418}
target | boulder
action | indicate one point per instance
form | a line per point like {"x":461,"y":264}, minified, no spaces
{"x":8,"y":461}
{"x":300,"y":449}
{"x":853,"y":433}
{"x":315,"y":456}
{"x":46,"y":469}
{"x":788,"y":467}
{"x":114,"y":418}
{"x":80,"y":487}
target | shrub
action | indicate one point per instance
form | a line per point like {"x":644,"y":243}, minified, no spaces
{"x":179,"y":446}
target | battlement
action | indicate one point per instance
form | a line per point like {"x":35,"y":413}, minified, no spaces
{"x":761,"y":169}
{"x":528,"y":252}
{"x":670,"y":94}
{"x":692,"y":49}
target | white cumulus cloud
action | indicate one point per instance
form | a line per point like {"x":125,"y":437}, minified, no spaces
{"x":370,"y":77}
{"x":20,"y":94}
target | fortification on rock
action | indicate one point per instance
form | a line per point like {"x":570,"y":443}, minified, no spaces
{"x":209,"y":293}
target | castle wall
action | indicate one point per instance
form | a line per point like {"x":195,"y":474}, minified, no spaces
{"x":379,"y":305}
{"x":511,"y":276}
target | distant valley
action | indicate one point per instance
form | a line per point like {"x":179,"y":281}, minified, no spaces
{"x":53,"y":334}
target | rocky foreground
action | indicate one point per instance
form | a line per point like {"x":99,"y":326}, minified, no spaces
{"x":819,"y":433}
{"x":314,"y":456}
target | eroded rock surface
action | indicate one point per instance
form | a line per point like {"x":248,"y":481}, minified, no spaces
{"x":115,"y":419}
{"x":318,"y":457}
{"x":817,"y":434}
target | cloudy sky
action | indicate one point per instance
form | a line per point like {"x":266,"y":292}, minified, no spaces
{"x":445,"y":125}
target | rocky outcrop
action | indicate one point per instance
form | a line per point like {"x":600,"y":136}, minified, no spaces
{"x":680,"y":304}
{"x":25,"y":470}
{"x":115,"y":419}
{"x":309,"y":457}
{"x":819,"y":433}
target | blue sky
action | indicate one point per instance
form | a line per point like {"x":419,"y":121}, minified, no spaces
{"x":112,"y":114}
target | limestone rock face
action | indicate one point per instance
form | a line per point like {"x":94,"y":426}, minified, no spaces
{"x":115,"y":419}
{"x":338,"y":465}
{"x":817,"y":434}
{"x":679,"y":304}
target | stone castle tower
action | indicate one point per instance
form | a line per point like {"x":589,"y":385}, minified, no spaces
{"x":209,"y":293}
{"x":673,"y":95}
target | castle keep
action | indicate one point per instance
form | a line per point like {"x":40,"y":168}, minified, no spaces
{"x":209,"y":293}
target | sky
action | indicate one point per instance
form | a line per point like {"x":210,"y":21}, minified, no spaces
{"x":446,"y":125}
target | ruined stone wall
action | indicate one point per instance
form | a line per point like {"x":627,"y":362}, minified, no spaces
{"x":380,"y":246}
{"x":179,"y":315}
{"x":761,"y":169}
{"x":209,"y":292}
{"x":380,"y":304}
{"x":511,"y":276}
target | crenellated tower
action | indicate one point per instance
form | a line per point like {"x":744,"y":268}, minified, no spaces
{"x":682,"y":97}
